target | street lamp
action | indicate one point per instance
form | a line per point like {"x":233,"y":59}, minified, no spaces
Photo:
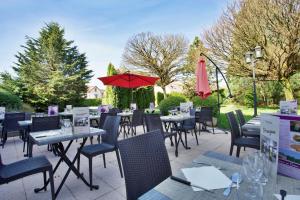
{"x":251,"y":57}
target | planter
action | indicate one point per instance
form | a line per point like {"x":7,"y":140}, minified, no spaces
{"x":215,"y":122}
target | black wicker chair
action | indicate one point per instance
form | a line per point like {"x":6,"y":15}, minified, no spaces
{"x":237,"y":139}
{"x":109,"y":143}
{"x":188,"y":126}
{"x":203,"y":116}
{"x":10,"y":124}
{"x":27,"y":167}
{"x":145,"y":163}
{"x":153,"y":122}
{"x":43,"y":124}
{"x":137,"y":120}
{"x":114,"y":110}
{"x":242,"y":121}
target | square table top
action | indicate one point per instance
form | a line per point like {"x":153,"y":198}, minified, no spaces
{"x":58,"y":135}
{"x":176,"y":118}
{"x":177,"y":191}
{"x":125,"y":114}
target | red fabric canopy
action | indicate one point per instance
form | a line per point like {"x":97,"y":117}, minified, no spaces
{"x":128,"y":80}
{"x":202,"y":84}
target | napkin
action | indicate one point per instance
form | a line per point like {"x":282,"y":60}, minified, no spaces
{"x":208,"y":177}
{"x":288,"y":197}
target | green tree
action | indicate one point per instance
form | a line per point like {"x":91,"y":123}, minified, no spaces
{"x":272,"y":24}
{"x":50,"y":70}
{"x":162,"y":56}
{"x":109,"y":95}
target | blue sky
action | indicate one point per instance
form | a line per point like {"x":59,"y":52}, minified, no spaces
{"x":101,"y":28}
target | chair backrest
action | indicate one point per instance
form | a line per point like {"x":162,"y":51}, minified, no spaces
{"x":145,"y":163}
{"x":10,"y":122}
{"x":111,"y":126}
{"x":153,"y":122}
{"x":241,"y":117}
{"x":193,"y":111}
{"x":234,"y":127}
{"x":205,"y":114}
{"x":103,"y":117}
{"x":45,"y":123}
{"x":138,"y":117}
{"x":114,"y":110}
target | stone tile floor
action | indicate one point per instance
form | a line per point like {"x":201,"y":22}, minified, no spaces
{"x":111,"y":185}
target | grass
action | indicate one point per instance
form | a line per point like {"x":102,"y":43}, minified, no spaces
{"x":248,"y":112}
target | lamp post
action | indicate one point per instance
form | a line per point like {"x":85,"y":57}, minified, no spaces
{"x":250,"y":58}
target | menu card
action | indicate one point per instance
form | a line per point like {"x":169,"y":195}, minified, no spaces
{"x":52,"y":110}
{"x":269,"y":141}
{"x":133,"y":106}
{"x":81,"y":121}
{"x":68,"y":108}
{"x":185,"y":108}
{"x":151,"y":106}
{"x":103,"y":109}
{"x":288,"y":107}
{"x":289,"y":146}
{"x":2,"y":112}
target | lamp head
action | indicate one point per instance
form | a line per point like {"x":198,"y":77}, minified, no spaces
{"x":258,"y":52}
{"x":248,"y":57}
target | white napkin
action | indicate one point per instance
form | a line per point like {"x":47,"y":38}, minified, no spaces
{"x":288,"y":197}
{"x":208,"y":177}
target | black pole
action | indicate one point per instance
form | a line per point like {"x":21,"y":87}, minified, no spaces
{"x":254,"y":91}
{"x":218,"y":91}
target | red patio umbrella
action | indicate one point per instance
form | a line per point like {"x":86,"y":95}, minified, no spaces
{"x":202,"y":84}
{"x":128,"y":80}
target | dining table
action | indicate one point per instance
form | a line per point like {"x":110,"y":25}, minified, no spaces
{"x":172,"y":122}
{"x":253,"y":125}
{"x":228,"y":165}
{"x":61,"y":141}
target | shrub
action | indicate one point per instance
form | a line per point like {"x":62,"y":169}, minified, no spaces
{"x":211,"y":101}
{"x":170,"y":102}
{"x":159,"y":97}
{"x":91,"y":102}
{"x":9,"y":100}
{"x":178,"y":94}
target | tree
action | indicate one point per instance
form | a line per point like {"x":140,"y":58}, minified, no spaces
{"x":162,"y":56}
{"x":272,"y":24}
{"x":50,"y":69}
{"x":109,"y":95}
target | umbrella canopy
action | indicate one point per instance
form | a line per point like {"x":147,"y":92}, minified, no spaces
{"x":128,"y":80}
{"x":202,"y":84}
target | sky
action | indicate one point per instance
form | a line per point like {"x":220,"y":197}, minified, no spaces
{"x":101,"y":28}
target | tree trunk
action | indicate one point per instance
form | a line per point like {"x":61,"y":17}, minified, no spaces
{"x":164,"y":91}
{"x":288,"y":90}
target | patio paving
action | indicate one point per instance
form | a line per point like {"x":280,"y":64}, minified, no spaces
{"x":111,"y":185}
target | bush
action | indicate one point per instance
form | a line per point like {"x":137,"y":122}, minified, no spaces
{"x":9,"y":100}
{"x":91,"y":102}
{"x":178,"y":94}
{"x":169,"y":103}
{"x":211,"y":101}
{"x":159,"y":97}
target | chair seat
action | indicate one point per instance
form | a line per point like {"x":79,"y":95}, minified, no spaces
{"x":24,"y":168}
{"x":248,"y":142}
{"x":251,"y":133}
{"x":97,"y":149}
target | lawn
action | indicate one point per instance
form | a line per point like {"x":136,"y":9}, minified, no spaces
{"x":248,"y":112}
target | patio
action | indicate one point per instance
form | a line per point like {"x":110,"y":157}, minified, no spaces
{"x":111,"y":185}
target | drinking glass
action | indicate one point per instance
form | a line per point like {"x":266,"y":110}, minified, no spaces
{"x":252,"y":169}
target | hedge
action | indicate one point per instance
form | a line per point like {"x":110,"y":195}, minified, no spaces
{"x":91,"y":102}
{"x":211,"y":101}
{"x":9,"y":100}
{"x":169,"y":103}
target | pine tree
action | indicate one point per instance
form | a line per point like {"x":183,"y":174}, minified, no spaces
{"x":50,"y":69}
{"x":109,"y":96}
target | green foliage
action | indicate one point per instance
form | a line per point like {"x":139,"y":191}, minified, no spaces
{"x":109,"y":95}
{"x":9,"y":100}
{"x":50,"y":70}
{"x":169,"y":103}
{"x":211,"y":101}
{"x":91,"y":102}
{"x":159,"y":97}
{"x":178,"y":94}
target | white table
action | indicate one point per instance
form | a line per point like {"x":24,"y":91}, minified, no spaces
{"x":56,"y":139}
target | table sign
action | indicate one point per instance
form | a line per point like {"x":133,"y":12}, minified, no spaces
{"x":2,"y":112}
{"x":269,"y":140}
{"x":151,"y":106}
{"x":103,"y":109}
{"x":185,"y":108}
{"x":52,"y":110}
{"x":68,"y":108}
{"x":288,"y":107}
{"x":81,"y":121}
{"x":133,"y":106}
{"x":289,"y":146}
